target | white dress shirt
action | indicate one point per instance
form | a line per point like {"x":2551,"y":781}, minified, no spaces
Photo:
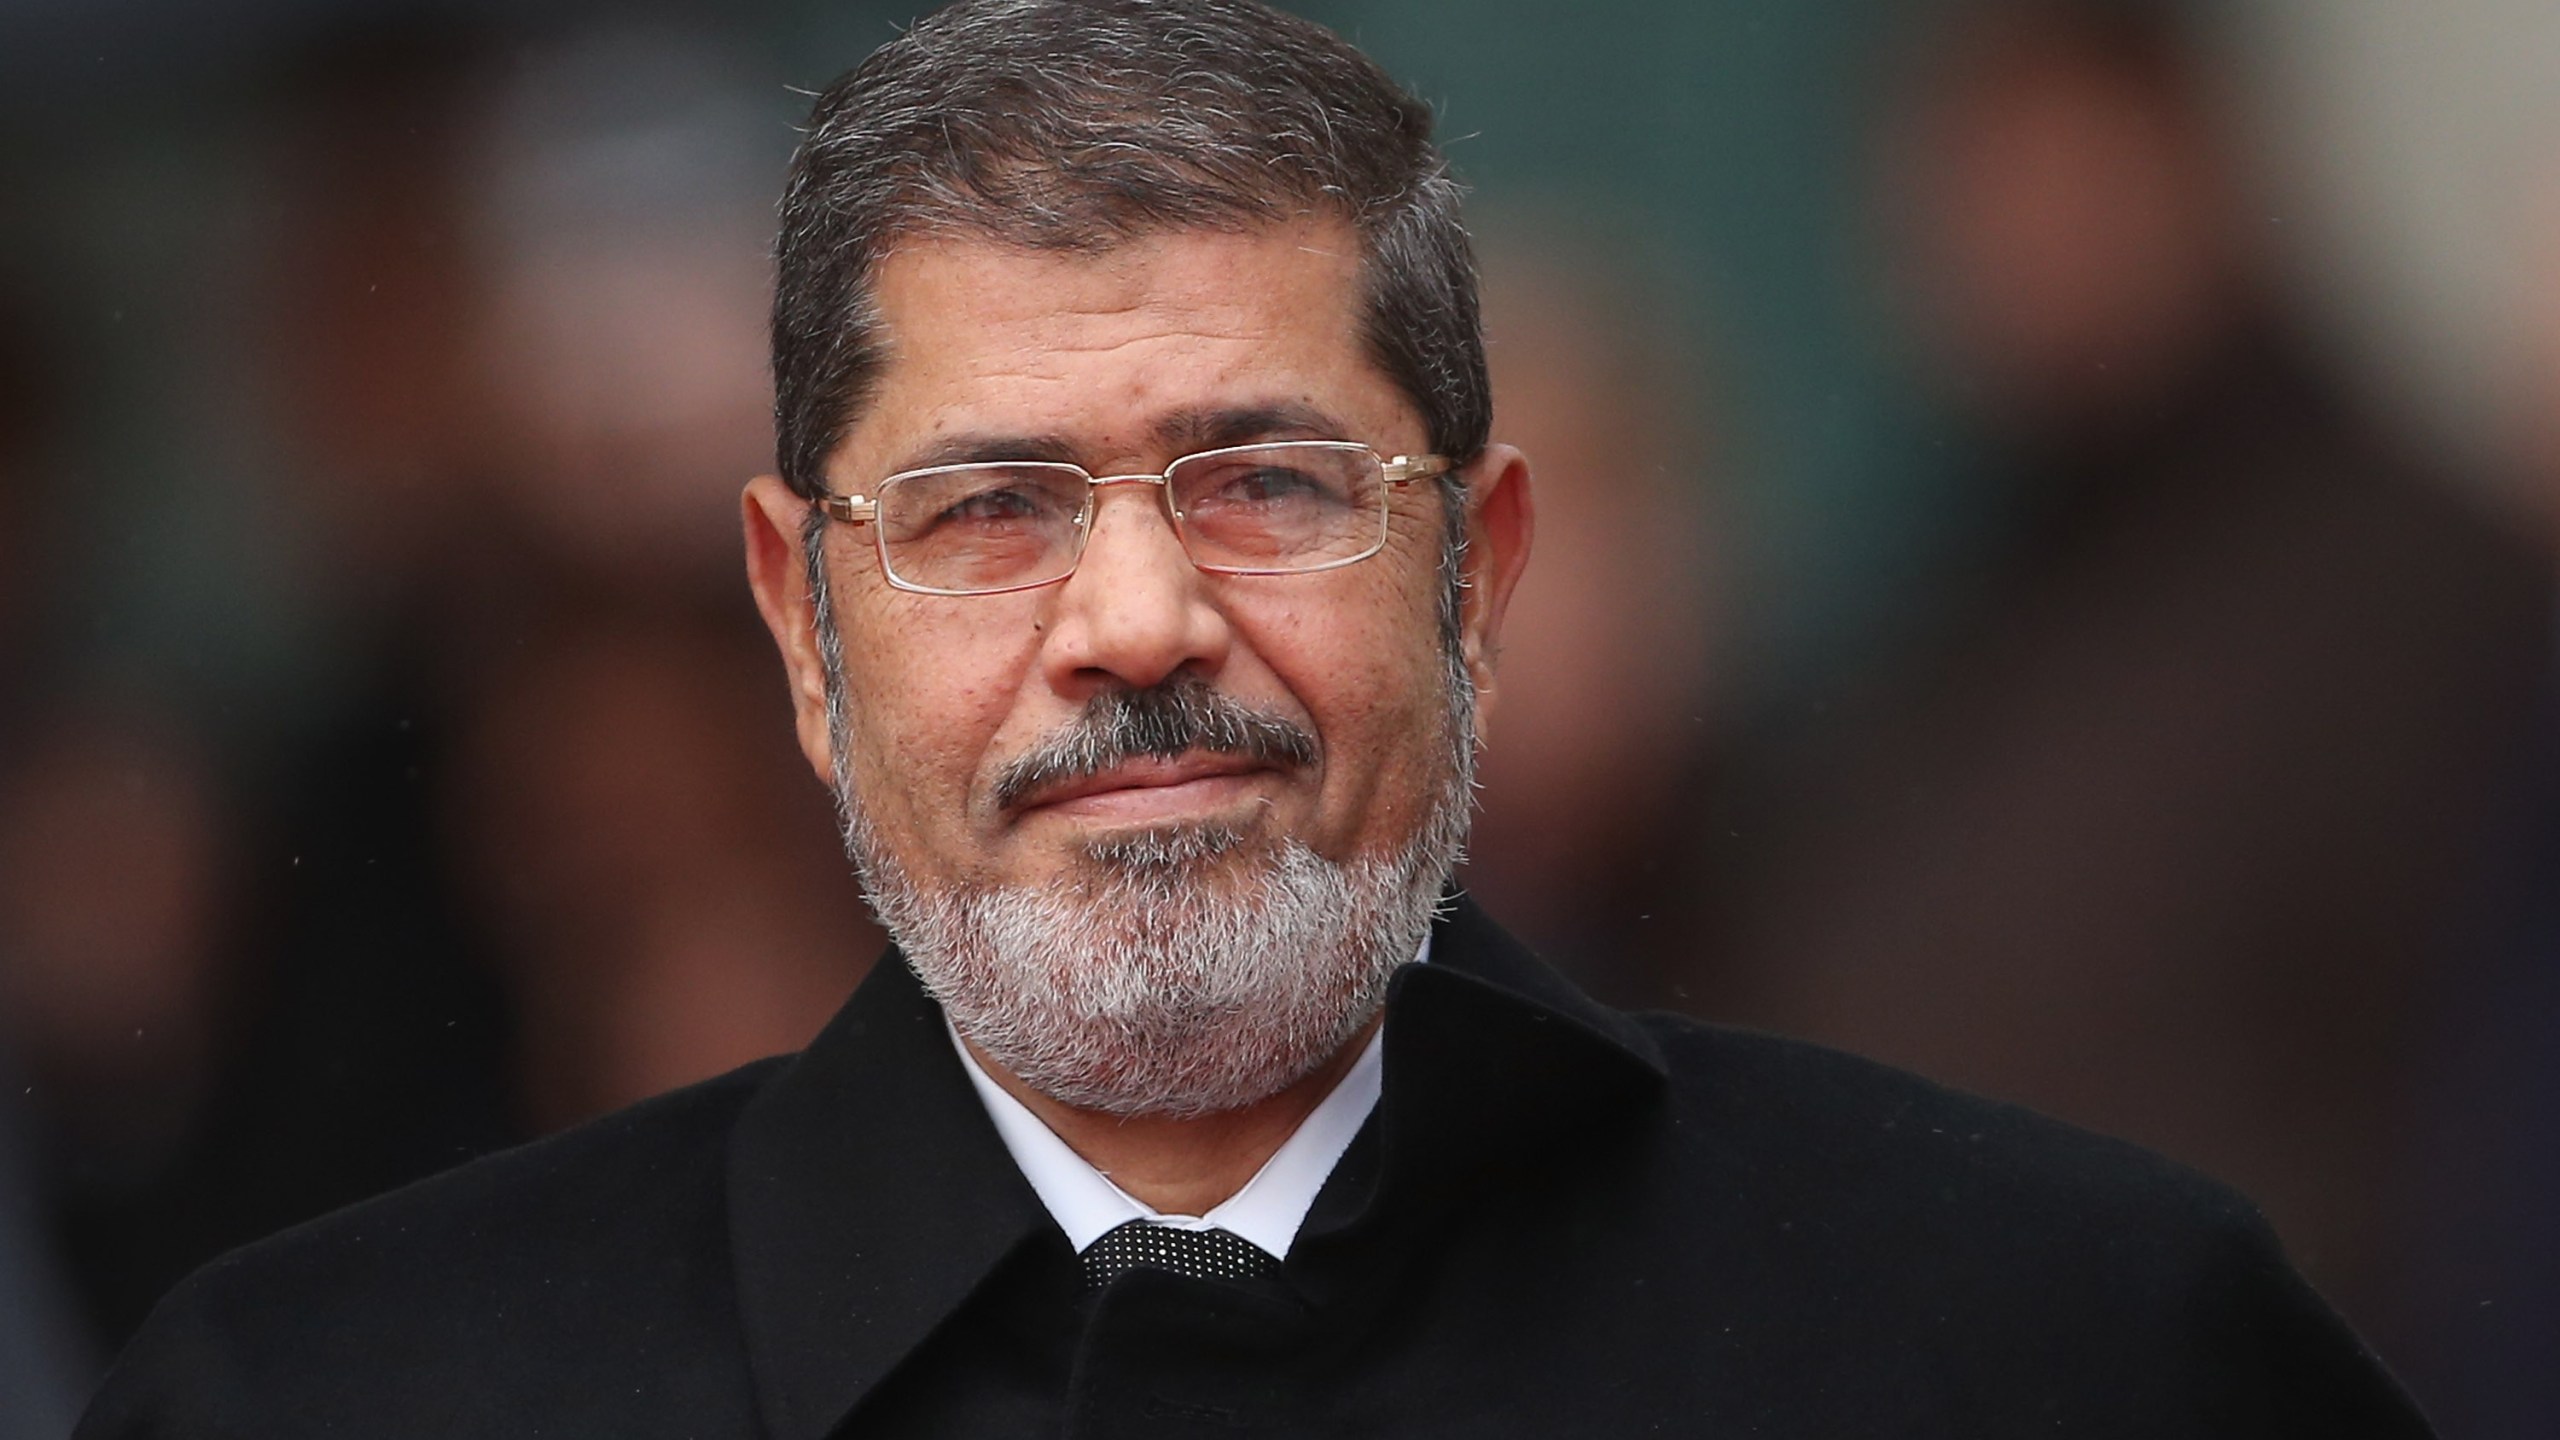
{"x":1267,"y":1211}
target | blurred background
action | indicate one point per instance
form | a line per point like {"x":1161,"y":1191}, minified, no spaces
{"x":2045,"y":578}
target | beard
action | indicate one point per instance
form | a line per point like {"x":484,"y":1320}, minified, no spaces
{"x":1178,"y":971}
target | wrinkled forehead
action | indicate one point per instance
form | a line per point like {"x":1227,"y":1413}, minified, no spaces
{"x":1142,"y":340}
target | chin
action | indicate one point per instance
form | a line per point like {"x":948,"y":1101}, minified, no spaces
{"x":1198,"y":849}
{"x":1189,"y":970}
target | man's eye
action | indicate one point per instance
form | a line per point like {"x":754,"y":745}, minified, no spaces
{"x":1264,"y":485}
{"x":992,"y":507}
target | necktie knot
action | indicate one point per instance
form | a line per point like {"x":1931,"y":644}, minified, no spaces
{"x":1200,"y":1254}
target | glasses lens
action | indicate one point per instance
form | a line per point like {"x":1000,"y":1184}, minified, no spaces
{"x":1300,"y":506}
{"x":969,"y":528}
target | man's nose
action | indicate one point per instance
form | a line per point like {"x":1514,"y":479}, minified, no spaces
{"x":1136,"y":610}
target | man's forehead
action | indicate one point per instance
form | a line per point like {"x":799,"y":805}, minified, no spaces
{"x":1185,"y":339}
{"x":964,"y":275}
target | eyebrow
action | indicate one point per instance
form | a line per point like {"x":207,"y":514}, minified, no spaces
{"x":1186,"y":431}
{"x":987,"y":449}
{"x":1243,"y":425}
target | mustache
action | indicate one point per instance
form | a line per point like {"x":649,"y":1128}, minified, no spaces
{"x":1160,"y":722}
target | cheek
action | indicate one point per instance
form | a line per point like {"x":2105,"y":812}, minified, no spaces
{"x":929,"y":689}
{"x":1366,"y":667}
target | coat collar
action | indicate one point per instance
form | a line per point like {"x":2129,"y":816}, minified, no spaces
{"x":869,"y":1193}
{"x":1491,"y":1058}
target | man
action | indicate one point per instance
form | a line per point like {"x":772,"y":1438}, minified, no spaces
{"x":1138,"y":560}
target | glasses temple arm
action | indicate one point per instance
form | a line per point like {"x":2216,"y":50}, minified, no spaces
{"x":1405,"y":469}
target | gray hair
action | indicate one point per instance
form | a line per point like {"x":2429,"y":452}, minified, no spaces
{"x":1079,"y":124}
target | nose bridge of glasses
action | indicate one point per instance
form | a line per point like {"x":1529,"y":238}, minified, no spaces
{"x":1164,"y":490}
{"x":1096,"y":484}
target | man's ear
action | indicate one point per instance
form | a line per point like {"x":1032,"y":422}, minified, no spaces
{"x":777,"y":572}
{"x":1500,"y":519}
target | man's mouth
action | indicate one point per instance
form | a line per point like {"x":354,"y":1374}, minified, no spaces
{"x":1154,"y":754}
{"x":1149,"y":786}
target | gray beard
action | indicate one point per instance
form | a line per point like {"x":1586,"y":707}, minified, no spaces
{"x":1171,"y":990}
{"x":1181,"y":972}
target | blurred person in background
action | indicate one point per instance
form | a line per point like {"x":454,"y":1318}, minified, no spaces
{"x":119,"y":910}
{"x":237,"y":1017}
{"x":274,"y":899}
{"x":118,"y":983}
{"x":516,"y":848}
{"x":522,"y":293}
{"x":660,"y":895}
{"x":2464,"y":196}
{"x":1608,"y":728}
{"x":2180,"y":822}
{"x":43,"y":1342}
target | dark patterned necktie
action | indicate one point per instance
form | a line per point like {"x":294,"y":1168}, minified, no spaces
{"x":1200,"y":1254}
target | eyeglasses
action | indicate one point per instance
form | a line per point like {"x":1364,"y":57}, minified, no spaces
{"x":1286,"y":508}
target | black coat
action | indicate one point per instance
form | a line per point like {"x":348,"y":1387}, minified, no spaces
{"x":1561,"y":1221}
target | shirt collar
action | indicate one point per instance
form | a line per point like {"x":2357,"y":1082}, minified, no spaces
{"x":1267,"y":1211}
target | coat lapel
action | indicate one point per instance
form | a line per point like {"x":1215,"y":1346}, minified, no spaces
{"x":1490,"y":1055}
{"x":869,"y":1195}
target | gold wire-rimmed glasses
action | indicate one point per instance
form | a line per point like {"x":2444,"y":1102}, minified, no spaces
{"x":1290,"y":507}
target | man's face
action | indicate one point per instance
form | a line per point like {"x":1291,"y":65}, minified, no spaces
{"x":1123,"y":362}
